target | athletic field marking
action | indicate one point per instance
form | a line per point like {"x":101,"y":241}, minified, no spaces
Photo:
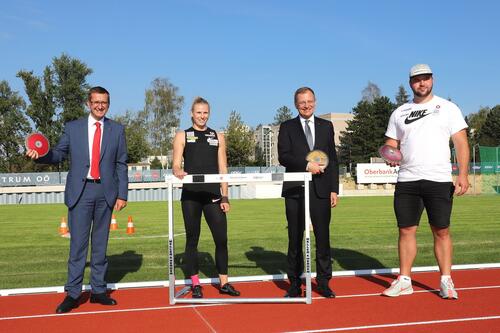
{"x":415,"y":323}
{"x":204,"y":320}
{"x":157,"y":236}
{"x":256,"y":278}
{"x":176,"y":307}
{"x":172,"y":307}
{"x":433,"y":291}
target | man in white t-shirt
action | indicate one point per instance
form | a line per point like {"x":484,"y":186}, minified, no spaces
{"x":422,"y":130}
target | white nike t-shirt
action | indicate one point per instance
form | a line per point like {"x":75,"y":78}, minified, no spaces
{"x":424,"y":132}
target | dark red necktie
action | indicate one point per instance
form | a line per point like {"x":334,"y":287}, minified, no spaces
{"x":96,"y":152}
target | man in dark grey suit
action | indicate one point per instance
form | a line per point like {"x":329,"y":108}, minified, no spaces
{"x":297,"y":137}
{"x":97,"y":181}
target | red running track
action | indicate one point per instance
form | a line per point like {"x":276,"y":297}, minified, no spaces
{"x":357,"y":308}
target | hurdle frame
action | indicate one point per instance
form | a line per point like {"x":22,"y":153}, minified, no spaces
{"x":172,"y":181}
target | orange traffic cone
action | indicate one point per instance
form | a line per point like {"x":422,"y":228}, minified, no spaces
{"x":63,"y":227}
{"x":113,"y":225}
{"x":130,"y":226}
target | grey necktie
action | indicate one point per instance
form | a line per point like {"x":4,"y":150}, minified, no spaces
{"x":309,"y":136}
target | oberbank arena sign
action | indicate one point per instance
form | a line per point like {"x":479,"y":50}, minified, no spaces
{"x":376,"y":173}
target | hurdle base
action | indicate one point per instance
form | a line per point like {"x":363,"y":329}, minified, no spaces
{"x":242,"y":300}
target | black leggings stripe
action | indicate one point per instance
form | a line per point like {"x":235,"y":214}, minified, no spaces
{"x":217,"y":222}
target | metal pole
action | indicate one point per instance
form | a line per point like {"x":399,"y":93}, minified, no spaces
{"x":474,"y":166}
{"x":307,"y":245}
{"x":171,"y":268}
{"x":497,"y":187}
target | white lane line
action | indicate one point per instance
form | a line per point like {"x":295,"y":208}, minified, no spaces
{"x":254,"y":278}
{"x":204,"y":320}
{"x":175,"y":307}
{"x":157,"y":236}
{"x":434,"y":291}
{"x":415,"y":323}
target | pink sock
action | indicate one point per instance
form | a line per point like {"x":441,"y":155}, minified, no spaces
{"x":195,"y":280}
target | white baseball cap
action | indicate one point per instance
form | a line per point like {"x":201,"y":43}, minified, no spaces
{"x":420,"y":69}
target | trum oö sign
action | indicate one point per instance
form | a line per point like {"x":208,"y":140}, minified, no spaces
{"x":376,"y":173}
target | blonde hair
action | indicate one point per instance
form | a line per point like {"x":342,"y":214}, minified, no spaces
{"x":199,"y":100}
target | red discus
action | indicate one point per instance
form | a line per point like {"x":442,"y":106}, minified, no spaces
{"x":390,"y":154}
{"x":39,"y":143}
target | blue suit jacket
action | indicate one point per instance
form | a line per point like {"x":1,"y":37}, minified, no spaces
{"x":113,"y":163}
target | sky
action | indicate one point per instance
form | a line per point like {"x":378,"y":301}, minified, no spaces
{"x":251,"y":55}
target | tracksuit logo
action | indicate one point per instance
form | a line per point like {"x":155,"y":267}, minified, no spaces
{"x":416,"y":115}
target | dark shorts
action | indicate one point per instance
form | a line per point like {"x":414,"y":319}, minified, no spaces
{"x":410,"y":199}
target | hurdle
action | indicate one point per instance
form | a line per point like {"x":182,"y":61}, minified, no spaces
{"x":173,"y":181}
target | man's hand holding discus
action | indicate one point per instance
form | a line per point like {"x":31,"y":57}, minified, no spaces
{"x":318,"y":161}
{"x":390,"y":154}
{"x":37,"y":145}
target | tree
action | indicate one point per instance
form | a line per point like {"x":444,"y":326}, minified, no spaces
{"x":370,"y":93}
{"x":239,"y":141}
{"x":42,"y":110}
{"x":259,"y":158}
{"x":61,"y":97}
{"x":489,"y":134}
{"x":162,"y":110}
{"x":136,"y":133}
{"x":365,"y":132}
{"x":282,"y":114}
{"x":71,"y":86}
{"x":476,"y":122}
{"x":402,"y":96}
{"x":14,"y":127}
{"x":156,"y":164}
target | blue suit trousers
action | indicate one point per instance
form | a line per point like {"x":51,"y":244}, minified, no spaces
{"x":89,"y":217}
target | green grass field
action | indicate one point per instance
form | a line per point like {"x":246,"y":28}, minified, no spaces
{"x":363,"y":235}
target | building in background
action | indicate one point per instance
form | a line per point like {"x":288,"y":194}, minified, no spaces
{"x":339,"y":121}
{"x":266,"y":144}
{"x":141,"y":166}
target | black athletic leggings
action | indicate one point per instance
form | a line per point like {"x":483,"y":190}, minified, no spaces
{"x":192,"y":207}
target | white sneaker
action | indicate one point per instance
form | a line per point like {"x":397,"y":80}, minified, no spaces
{"x":398,"y":287}
{"x":448,"y":290}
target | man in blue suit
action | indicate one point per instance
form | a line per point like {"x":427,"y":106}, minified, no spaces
{"x":97,"y":182}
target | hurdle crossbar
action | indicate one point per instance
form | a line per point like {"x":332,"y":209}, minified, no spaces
{"x":173,"y":181}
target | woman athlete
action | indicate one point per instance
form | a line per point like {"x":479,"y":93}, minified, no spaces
{"x":204,"y":152}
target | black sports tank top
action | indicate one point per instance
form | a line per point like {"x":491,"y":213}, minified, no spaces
{"x":201,"y":157}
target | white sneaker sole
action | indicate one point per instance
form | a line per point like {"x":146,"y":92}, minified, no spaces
{"x":449,"y":296}
{"x":407,"y":291}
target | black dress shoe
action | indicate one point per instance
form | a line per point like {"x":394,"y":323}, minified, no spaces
{"x":326,"y":292}
{"x":102,"y":299}
{"x":196,"y":291}
{"x":229,"y":290}
{"x":67,"y":305}
{"x":295,"y":290}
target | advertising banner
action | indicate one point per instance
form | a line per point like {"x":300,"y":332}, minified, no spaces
{"x":376,"y":173}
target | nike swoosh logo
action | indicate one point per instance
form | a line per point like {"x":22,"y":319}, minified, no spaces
{"x":410,"y":119}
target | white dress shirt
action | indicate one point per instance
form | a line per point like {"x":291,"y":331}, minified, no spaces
{"x":311,"y":126}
